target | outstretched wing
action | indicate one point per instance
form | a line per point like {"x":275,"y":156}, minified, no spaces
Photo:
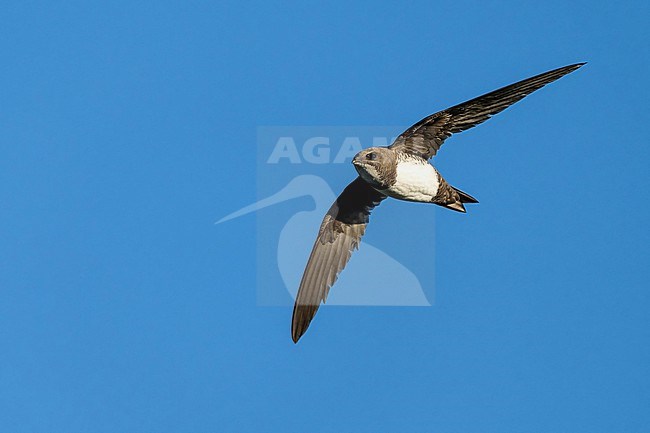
{"x":425,"y":137}
{"x":339,"y":234}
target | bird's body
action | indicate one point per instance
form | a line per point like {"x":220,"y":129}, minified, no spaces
{"x":408,"y":177}
{"x":415,"y":180}
{"x":400,"y":171}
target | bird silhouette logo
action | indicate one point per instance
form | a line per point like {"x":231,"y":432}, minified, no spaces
{"x":373,"y":277}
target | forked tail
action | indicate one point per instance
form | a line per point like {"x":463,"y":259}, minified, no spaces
{"x":464,"y":197}
{"x":455,"y":201}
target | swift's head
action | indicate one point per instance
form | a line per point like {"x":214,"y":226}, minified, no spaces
{"x":376,"y":165}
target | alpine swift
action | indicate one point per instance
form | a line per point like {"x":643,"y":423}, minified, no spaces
{"x":402,"y":171}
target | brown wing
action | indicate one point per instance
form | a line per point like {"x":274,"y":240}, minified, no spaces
{"x":425,"y":137}
{"x":339,"y":234}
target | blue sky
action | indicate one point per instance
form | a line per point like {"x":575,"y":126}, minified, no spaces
{"x":128,"y":128}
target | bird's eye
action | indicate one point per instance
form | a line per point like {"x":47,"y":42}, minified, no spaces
{"x":371,"y":156}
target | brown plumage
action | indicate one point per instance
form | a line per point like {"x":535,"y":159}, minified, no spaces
{"x":450,"y":197}
{"x":339,"y":234}
{"x":379,"y":170}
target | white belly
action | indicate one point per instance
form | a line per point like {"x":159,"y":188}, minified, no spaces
{"x":416,"y":181}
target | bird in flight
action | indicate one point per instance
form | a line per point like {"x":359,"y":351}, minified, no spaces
{"x":400,"y":171}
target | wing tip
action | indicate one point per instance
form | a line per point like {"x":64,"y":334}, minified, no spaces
{"x":298,"y":324}
{"x":296,"y":332}
{"x":570,"y":68}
